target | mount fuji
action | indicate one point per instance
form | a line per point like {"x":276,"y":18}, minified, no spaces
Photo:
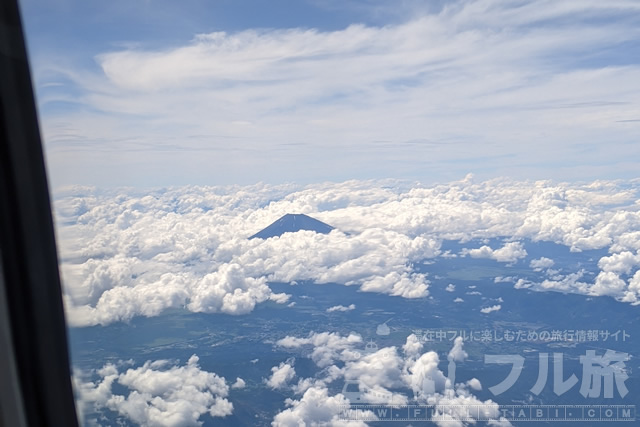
{"x":290,"y":223}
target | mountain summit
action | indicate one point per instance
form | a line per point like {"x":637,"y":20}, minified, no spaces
{"x":290,"y":223}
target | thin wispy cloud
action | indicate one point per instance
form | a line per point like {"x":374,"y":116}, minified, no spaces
{"x":487,"y":86}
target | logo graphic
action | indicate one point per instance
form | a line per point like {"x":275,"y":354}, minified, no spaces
{"x":371,"y":347}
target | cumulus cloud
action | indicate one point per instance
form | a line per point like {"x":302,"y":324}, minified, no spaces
{"x":376,"y":259}
{"x":608,"y":283}
{"x":407,"y":285}
{"x":133,"y":253}
{"x":382,"y":377}
{"x":127,"y":255}
{"x":487,"y":310}
{"x":509,"y":253}
{"x":281,"y":298}
{"x":316,"y":408}
{"x":632,"y":294}
{"x":541,"y":263}
{"x":475,"y":384}
{"x":382,"y":368}
{"x":281,"y":375}
{"x":457,"y":353}
{"x":159,"y":393}
{"x":413,"y":346}
{"x":450,"y":287}
{"x":431,"y":386}
{"x":456,"y":405}
{"x":564,"y":283}
{"x":619,"y":263}
{"x":341,"y":308}
{"x":327,"y":346}
{"x":228,"y":290}
{"x":240,"y":383}
{"x":423,"y":376}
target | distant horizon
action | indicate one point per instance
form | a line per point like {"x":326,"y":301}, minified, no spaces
{"x":380,"y":182}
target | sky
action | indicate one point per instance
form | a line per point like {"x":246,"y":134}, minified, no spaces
{"x":145,"y":93}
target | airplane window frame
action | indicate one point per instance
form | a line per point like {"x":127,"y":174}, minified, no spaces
{"x":37,"y":390}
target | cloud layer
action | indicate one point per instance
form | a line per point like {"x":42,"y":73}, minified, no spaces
{"x":127,"y":253}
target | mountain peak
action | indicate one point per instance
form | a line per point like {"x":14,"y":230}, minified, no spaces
{"x":290,"y":223}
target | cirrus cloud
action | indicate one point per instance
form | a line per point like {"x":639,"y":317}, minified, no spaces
{"x":416,"y":92}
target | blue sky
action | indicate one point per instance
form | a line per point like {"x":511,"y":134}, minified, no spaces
{"x":158,"y":93}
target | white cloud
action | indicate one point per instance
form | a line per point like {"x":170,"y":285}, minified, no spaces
{"x":327,"y":346}
{"x":475,"y":384}
{"x":457,"y":404}
{"x":619,"y":263}
{"x":632,"y":294}
{"x":133,"y":253}
{"x":608,"y":283}
{"x":159,"y":393}
{"x":281,"y":298}
{"x":525,"y":284}
{"x":315,"y":408}
{"x":200,"y":258}
{"x":413,"y":346}
{"x":341,"y":308}
{"x":509,"y":253}
{"x":406,"y":285}
{"x":567,"y":283}
{"x":487,"y":310}
{"x":228,"y":290}
{"x":450,"y":287}
{"x":380,"y":374}
{"x":281,"y":375}
{"x":441,"y":79}
{"x":430,"y":385}
{"x":457,"y":300}
{"x":541,"y":263}
{"x":240,"y":383}
{"x":457,"y":353}
{"x":382,"y":368}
